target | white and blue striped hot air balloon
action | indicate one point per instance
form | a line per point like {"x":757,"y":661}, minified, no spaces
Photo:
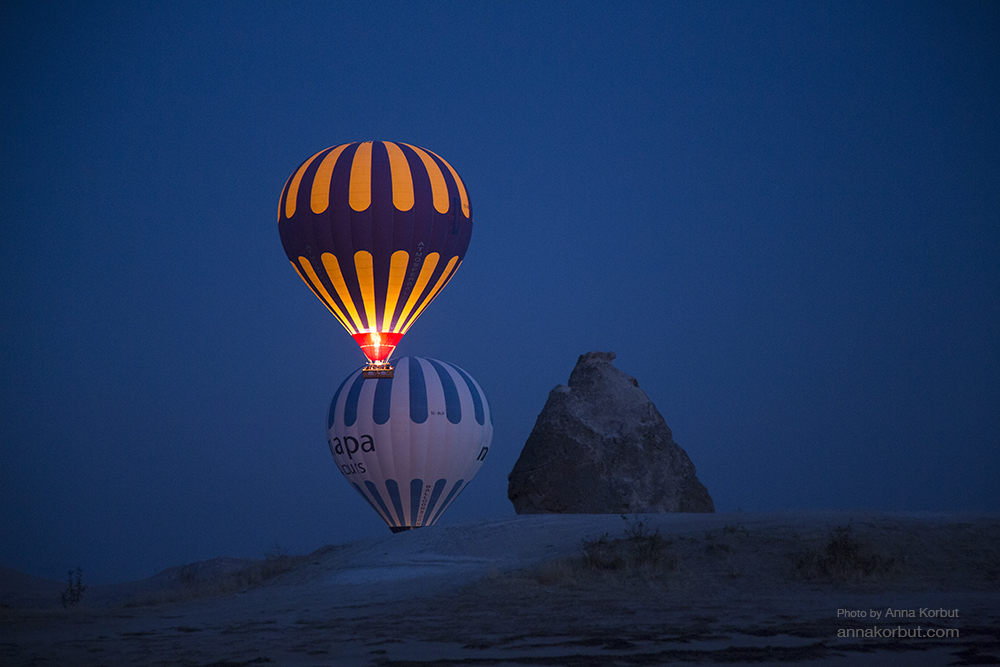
{"x":410,"y":444}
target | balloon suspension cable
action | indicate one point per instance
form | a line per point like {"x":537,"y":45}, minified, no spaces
{"x":377,"y":369}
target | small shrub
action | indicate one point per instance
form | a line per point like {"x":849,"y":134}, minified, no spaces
{"x":603,"y":553}
{"x":845,"y":557}
{"x":637,"y":528}
{"x":639,"y":551}
{"x":74,"y":591}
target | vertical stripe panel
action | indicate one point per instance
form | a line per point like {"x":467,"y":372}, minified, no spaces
{"x":393,"y":488}
{"x":351,"y":406}
{"x":439,"y":189}
{"x":284,"y":193}
{"x":360,"y":196}
{"x":435,"y":494}
{"x":331,"y":416}
{"x":380,"y":217}
{"x":446,"y":275}
{"x":337,"y":278}
{"x":477,"y":399}
{"x":367,"y":500}
{"x":397,"y":273}
{"x":416,"y":491}
{"x":430,"y":262}
{"x":453,"y":405}
{"x":319,"y":197}
{"x":293,"y":188}
{"x":366,"y":281}
{"x":372,"y":489}
{"x":383,"y":400}
{"x":447,"y":501}
{"x":458,"y":182}
{"x":310,"y":285}
{"x":324,"y":295}
{"x":418,"y":393}
{"x":402,"y":181}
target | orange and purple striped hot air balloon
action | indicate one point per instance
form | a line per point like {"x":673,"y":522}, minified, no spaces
{"x":375,"y":229}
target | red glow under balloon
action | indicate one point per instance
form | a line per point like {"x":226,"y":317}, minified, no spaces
{"x":377,"y":346}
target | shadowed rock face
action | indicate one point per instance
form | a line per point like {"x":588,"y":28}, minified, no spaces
{"x":599,"y":447}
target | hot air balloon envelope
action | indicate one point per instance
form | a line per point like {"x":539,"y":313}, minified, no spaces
{"x":410,"y":444}
{"x":376,"y":230}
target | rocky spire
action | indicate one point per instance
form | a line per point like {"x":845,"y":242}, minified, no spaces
{"x":600,"y":446}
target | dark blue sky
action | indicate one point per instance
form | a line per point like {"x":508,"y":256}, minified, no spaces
{"x":783,"y":217}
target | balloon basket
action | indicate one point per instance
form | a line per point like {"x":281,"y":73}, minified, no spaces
{"x":376,"y":370}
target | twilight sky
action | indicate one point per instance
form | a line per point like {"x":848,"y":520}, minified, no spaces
{"x":784,"y":218}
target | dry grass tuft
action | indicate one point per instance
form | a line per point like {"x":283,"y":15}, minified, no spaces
{"x":640,"y":554}
{"x":846,"y":558}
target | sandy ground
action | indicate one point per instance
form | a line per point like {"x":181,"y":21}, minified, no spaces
{"x":738,"y":589}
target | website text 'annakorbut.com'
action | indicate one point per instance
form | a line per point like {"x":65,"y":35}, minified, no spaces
{"x":898,"y":631}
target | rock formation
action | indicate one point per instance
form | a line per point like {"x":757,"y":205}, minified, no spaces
{"x":600,"y":446}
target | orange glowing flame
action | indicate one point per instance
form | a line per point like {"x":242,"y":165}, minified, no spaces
{"x":376,"y":345}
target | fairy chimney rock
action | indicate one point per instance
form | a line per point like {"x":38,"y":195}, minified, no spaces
{"x":600,"y":446}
